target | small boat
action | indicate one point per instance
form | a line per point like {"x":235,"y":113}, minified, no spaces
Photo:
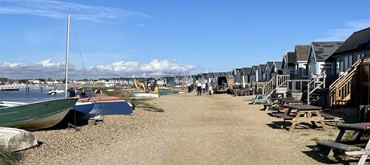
{"x":140,"y":94}
{"x":42,"y":114}
{"x":143,"y":91}
{"x":163,"y":88}
{"x":10,"y":103}
{"x":98,"y":99}
{"x":54,"y":92}
{"x":13,"y":139}
{"x":37,"y":115}
{"x":83,"y":108}
{"x":11,"y":87}
{"x":105,"y":106}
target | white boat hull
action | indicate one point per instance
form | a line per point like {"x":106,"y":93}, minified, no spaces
{"x":14,"y":139}
{"x":46,"y":122}
{"x":145,"y":95}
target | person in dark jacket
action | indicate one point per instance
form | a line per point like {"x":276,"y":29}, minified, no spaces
{"x":72,"y":92}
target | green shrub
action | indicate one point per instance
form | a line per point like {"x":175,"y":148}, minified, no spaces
{"x":7,"y":157}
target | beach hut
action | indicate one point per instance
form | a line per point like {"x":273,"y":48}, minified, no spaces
{"x":351,"y":86}
{"x":246,"y":75}
{"x":300,"y":61}
{"x":288,"y":64}
{"x":317,"y":59}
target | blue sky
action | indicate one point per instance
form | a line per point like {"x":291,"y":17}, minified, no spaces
{"x":119,"y":38}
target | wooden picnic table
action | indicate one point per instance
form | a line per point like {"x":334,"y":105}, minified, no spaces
{"x":281,"y":102}
{"x":357,"y":127}
{"x":282,"y":99}
{"x":305,"y":113}
{"x":347,"y":145}
{"x":286,"y":101}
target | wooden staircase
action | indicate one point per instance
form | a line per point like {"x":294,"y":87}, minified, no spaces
{"x":340,"y":90}
{"x":315,"y":87}
{"x":278,"y":81}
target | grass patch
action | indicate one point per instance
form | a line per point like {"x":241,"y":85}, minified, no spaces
{"x":7,"y":157}
{"x":140,"y":103}
{"x":315,"y":139}
{"x":349,"y":136}
{"x":125,"y":94}
{"x":316,"y":149}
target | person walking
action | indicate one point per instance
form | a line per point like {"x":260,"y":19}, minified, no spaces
{"x":199,"y":88}
{"x":207,"y":86}
{"x":204,"y":87}
{"x":210,"y":89}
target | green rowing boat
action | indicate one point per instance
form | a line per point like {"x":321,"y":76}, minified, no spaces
{"x":37,"y":115}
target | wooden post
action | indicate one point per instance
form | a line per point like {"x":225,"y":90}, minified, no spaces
{"x":308,"y":94}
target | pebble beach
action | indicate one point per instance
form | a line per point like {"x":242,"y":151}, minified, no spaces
{"x":71,"y":145}
{"x":207,"y":129}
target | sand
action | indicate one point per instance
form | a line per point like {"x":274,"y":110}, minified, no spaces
{"x":207,"y":129}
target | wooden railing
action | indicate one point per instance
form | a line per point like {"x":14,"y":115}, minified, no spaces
{"x":297,"y":85}
{"x":317,"y":82}
{"x":340,"y":89}
{"x":275,"y":82}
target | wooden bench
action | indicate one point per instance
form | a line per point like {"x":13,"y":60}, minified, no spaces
{"x":345,"y":149}
{"x":284,"y":116}
{"x":338,"y":146}
{"x":267,"y":106}
{"x":260,"y":99}
{"x":327,"y":116}
{"x":330,"y":118}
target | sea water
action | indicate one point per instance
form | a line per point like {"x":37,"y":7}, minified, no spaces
{"x":167,"y":92}
{"x":34,"y":94}
{"x":38,"y":94}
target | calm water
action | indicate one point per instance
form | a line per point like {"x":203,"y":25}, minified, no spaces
{"x":167,"y":92}
{"x":35,"y":94}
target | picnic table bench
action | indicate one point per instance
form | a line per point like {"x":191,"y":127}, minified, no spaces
{"x":285,"y":116}
{"x":327,"y":117}
{"x":260,"y":99}
{"x":345,"y":146}
{"x":303,"y":113}
{"x":280,"y":102}
{"x":339,"y":146}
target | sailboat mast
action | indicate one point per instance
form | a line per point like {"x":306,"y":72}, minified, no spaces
{"x":67,"y":55}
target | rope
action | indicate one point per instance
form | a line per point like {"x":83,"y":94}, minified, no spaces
{"x":84,"y":67}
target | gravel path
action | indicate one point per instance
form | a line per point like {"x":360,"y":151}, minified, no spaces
{"x":216,"y":129}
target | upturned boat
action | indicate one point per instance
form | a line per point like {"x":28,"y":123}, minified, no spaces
{"x":14,"y":139}
{"x":106,"y":105}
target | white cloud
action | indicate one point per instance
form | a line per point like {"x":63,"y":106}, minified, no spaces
{"x":48,"y":63}
{"x":59,"y":9}
{"x":342,"y":34}
{"x":48,"y":69}
{"x":12,"y":65}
